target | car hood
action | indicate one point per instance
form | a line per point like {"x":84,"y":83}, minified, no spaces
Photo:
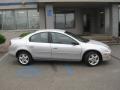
{"x":98,"y":43}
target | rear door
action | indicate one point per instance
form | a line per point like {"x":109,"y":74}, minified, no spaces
{"x":40,"y":46}
{"x":64,"y":47}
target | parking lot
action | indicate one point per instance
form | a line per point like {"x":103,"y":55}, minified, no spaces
{"x":59,"y":75}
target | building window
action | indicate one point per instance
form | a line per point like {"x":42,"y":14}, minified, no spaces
{"x":64,"y":18}
{"x":19,"y":19}
{"x":1,"y":20}
{"x":8,"y":20}
{"x":33,"y":17}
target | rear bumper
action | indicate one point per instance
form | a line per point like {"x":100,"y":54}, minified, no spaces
{"x":11,"y":51}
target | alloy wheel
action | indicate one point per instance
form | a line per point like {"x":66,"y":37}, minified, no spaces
{"x":23,"y":59}
{"x":93,"y":59}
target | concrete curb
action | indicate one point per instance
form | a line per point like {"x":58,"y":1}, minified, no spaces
{"x":5,"y":55}
{"x":116,"y":57}
{"x":113,"y":43}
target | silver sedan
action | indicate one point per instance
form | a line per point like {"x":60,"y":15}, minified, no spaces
{"x":53,"y":44}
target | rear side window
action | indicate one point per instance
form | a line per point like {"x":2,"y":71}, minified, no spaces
{"x":40,"y":37}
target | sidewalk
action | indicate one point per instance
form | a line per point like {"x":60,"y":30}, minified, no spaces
{"x":3,"y":49}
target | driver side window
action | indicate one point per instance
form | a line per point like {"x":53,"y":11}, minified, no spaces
{"x":61,"y":39}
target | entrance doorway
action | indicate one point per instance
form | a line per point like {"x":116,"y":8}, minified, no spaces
{"x":86,"y":23}
{"x":94,"y":21}
{"x":119,"y":23}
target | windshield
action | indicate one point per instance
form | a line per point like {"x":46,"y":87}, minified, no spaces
{"x":77,"y":37}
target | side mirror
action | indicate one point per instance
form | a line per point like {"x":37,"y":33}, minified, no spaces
{"x":75,"y":43}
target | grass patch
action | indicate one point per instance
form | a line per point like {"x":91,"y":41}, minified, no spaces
{"x":24,"y":34}
{"x":2,"y":39}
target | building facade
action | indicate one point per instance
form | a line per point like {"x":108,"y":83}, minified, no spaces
{"x":77,"y":16}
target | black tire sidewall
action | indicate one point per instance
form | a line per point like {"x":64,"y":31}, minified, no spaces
{"x":87,"y":56}
{"x":24,"y":52}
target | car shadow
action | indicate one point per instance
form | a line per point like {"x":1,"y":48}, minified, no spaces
{"x":72,"y":63}
{"x":54,"y":64}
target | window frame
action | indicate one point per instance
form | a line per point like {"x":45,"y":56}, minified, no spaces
{"x":40,"y":33}
{"x":51,"y":39}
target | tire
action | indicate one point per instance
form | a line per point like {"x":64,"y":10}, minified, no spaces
{"x":92,"y":58}
{"x":24,"y":58}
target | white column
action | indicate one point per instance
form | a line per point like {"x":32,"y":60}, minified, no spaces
{"x":115,"y":19}
{"x":107,"y":20}
{"x":79,"y":21}
{"x":49,"y":16}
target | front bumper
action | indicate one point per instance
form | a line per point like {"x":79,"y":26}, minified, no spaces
{"x":106,"y":56}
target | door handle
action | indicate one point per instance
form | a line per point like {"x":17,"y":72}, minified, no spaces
{"x":31,"y":46}
{"x":55,"y":48}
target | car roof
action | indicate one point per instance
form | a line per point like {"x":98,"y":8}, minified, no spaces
{"x":50,"y":30}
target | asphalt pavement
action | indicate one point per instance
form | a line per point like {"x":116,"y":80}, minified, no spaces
{"x":60,"y":75}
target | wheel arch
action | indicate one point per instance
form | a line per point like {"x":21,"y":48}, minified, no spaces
{"x":22,"y":50}
{"x":91,"y":51}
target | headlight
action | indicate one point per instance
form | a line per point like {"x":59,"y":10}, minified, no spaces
{"x":107,"y":50}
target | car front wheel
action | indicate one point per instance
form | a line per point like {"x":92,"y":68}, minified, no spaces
{"x":92,"y":58}
{"x":24,"y":58}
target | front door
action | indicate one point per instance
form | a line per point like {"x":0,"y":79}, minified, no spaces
{"x":63,"y":48}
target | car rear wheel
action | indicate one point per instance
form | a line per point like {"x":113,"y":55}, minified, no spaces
{"x":92,"y":58}
{"x":24,"y":58}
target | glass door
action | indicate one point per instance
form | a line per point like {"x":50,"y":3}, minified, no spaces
{"x":86,"y":23}
{"x":0,"y":20}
